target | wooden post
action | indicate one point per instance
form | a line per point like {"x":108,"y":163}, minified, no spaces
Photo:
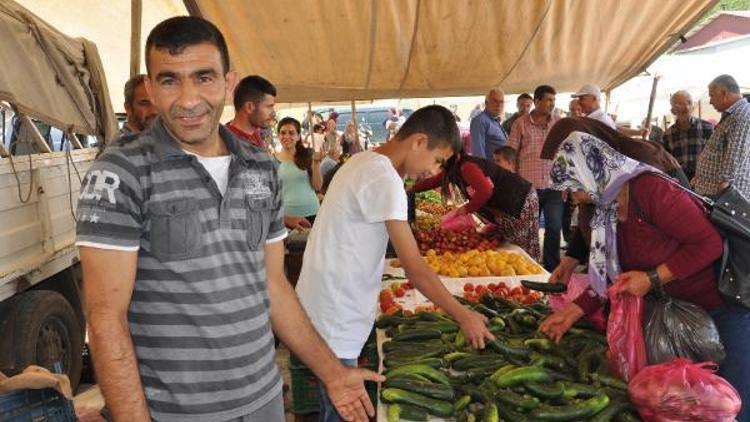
{"x":136,"y":12}
{"x":651,"y":102}
{"x":700,"y":109}
{"x":356,"y":123}
{"x":310,"y":125}
{"x":607,"y":97}
{"x":39,"y":140}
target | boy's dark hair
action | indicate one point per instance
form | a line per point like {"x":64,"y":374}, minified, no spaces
{"x":542,"y":90}
{"x":507,"y":153}
{"x":252,"y":88}
{"x":524,"y":96}
{"x":437,"y":122}
{"x":175,"y":34}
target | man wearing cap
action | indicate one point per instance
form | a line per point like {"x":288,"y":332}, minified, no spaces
{"x":588,"y":98}
{"x":487,"y":134}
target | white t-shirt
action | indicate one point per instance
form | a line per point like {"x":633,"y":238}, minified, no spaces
{"x":603,"y":117}
{"x":345,"y":253}
{"x":217,"y":167}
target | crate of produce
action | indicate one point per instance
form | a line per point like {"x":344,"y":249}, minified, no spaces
{"x":44,"y":405}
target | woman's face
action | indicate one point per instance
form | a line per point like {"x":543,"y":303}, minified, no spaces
{"x":288,"y":136}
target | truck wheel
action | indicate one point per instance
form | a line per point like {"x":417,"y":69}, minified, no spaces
{"x":47,"y":331}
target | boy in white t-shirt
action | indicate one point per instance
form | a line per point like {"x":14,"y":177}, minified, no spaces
{"x":345,"y":253}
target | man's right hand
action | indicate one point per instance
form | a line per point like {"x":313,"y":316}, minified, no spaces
{"x":474,"y":326}
{"x":564,"y":270}
{"x":292,"y":222}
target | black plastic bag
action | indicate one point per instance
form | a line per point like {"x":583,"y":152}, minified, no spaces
{"x":675,"y":328}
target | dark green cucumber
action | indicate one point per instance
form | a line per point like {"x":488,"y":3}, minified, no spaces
{"x":436,"y":363}
{"x":433,"y":317}
{"x":545,"y":287}
{"x":423,"y":370}
{"x":421,"y":345}
{"x":505,"y":349}
{"x":486,"y":311}
{"x":509,"y":413}
{"x":413,"y":413}
{"x":589,"y":334}
{"x":549,"y":361}
{"x":541,"y":344}
{"x":444,"y":327}
{"x":433,"y":406}
{"x":628,"y":416}
{"x":522,"y":375}
{"x":607,"y":415}
{"x":517,"y":401}
{"x":461,"y":404}
{"x":476,"y":362}
{"x":609,"y":381}
{"x":411,"y":377}
{"x":436,"y":391}
{"x":497,"y":322}
{"x":574,"y":412}
{"x":403,"y":356}
{"x":490,"y":413}
{"x":545,"y":391}
{"x":452,"y":356}
{"x":417,"y":335}
{"x":576,"y":390}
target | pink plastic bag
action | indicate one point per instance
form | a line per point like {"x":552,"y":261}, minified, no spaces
{"x":680,"y":390}
{"x":627,"y":348}
{"x":456,"y":222}
{"x":576,"y":285}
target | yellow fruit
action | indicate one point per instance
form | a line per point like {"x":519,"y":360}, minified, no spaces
{"x":431,"y":252}
{"x":463,"y":271}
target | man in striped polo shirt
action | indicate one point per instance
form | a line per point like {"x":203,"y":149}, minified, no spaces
{"x":180,"y":233}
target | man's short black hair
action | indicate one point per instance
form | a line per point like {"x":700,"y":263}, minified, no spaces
{"x":524,"y":96}
{"x":543,"y":90}
{"x":175,"y":34}
{"x":252,"y":88}
{"x":435,"y":121}
{"x":507,"y":153}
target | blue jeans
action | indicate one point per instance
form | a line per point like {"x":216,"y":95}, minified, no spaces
{"x":551,"y":206}
{"x":327,"y":411}
{"x":733,"y":324}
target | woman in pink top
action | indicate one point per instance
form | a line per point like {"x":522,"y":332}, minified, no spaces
{"x":646,"y":230}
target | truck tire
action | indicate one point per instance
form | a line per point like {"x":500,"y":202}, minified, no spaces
{"x":47,"y":331}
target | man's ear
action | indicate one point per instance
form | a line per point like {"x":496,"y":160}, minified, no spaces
{"x":418,"y":141}
{"x":249,"y":107}
{"x":128,"y":108}
{"x":231,"y":78}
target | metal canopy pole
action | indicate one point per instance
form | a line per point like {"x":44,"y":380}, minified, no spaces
{"x":651,"y":102}
{"x":136,"y":13}
{"x":356,"y":123}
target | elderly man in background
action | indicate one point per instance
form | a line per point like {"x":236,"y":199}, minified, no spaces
{"x":687,"y":137}
{"x":589,"y":97}
{"x":487,"y":134}
{"x":725,"y":160}
{"x":139,"y":109}
{"x":524,"y":102}
{"x":574,"y":108}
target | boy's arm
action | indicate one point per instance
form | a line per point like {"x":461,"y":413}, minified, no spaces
{"x":107,"y":296}
{"x":426,"y":281}
{"x":345,"y":386}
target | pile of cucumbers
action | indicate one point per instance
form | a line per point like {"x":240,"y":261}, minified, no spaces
{"x":521,"y":376}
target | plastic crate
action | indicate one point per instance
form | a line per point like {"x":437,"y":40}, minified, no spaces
{"x":305,"y":396}
{"x":46,"y":405}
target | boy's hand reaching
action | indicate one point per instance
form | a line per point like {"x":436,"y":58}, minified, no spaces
{"x":473,"y":325}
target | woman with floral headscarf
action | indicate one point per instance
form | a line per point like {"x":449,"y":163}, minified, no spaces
{"x":646,"y":230}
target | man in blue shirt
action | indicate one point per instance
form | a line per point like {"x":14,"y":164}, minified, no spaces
{"x":487,"y":134}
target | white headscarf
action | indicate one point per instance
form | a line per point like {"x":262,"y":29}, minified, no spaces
{"x":584,"y":162}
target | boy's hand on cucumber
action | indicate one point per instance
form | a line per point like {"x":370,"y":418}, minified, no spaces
{"x":474,"y":326}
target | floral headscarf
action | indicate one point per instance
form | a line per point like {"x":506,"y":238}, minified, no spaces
{"x":584,"y":162}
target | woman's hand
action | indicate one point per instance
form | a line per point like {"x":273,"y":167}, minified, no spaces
{"x":318,"y":155}
{"x":564,"y":270}
{"x":635,"y":283}
{"x":557,"y":324}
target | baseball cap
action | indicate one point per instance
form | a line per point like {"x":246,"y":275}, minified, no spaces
{"x":588,"y":89}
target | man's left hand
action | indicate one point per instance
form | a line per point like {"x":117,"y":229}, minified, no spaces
{"x":635,"y":283}
{"x":348,"y":395}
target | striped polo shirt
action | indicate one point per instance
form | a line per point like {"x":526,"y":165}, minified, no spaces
{"x":199,"y":315}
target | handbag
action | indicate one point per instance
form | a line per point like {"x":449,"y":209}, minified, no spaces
{"x":730,"y":215}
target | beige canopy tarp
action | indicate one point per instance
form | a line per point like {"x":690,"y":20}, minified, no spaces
{"x":329,"y":50}
{"x":52,"y":77}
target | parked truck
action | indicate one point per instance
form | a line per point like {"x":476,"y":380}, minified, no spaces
{"x":56,"y":115}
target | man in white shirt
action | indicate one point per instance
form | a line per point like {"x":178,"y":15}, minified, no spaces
{"x":588,"y":97}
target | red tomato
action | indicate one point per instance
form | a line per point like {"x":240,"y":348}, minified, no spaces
{"x":468,"y":287}
{"x":502,"y":292}
{"x":392,"y":310}
{"x":407,"y":286}
{"x":516,"y":291}
{"x":480,"y":288}
{"x":400,"y":292}
{"x":526,"y":290}
{"x":502,"y":284}
{"x":492,"y":286}
{"x":408,"y":313}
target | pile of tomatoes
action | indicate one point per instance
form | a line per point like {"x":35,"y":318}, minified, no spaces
{"x":518,"y":294}
{"x":388,"y":296}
